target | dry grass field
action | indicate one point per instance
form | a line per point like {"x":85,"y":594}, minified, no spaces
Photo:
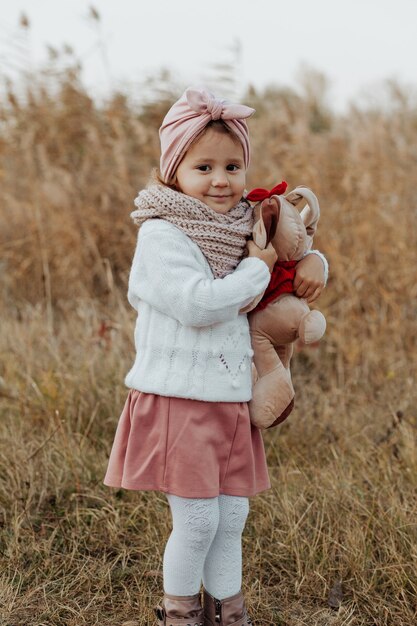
{"x":333,"y":543}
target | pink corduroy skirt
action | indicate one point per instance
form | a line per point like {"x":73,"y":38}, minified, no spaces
{"x":189,"y":448}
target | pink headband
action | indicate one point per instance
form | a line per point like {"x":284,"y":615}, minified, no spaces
{"x":189,"y":116}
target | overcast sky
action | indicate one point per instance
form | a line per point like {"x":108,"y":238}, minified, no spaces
{"x":355,"y":43}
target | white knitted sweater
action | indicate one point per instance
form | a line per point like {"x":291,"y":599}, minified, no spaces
{"x":190,"y":340}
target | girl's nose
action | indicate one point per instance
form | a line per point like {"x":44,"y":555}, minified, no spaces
{"x":220,"y":179}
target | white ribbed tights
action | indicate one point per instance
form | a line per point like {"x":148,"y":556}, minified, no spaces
{"x":205,"y":545}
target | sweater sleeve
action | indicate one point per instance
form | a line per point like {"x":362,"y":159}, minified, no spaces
{"x":167,"y":274}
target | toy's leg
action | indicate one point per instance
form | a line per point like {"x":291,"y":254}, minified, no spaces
{"x":288,"y":318}
{"x":273,"y":391}
{"x":312,"y":327}
{"x":285,"y":353}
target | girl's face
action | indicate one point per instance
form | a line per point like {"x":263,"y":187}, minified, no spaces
{"x":213,"y":171}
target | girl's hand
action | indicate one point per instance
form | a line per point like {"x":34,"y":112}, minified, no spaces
{"x":309,"y":277}
{"x":269,"y":256}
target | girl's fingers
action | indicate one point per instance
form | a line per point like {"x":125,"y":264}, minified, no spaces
{"x":301,"y":290}
{"x":308,"y":292}
{"x":297,"y":282}
{"x":314,"y":295}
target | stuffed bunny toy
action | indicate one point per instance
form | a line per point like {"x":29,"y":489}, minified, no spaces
{"x":278,"y":317}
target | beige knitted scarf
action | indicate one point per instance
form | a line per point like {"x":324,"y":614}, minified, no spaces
{"x":221,"y":238}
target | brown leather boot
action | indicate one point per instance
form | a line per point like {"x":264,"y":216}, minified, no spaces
{"x":180,"y":611}
{"x":227,"y":612}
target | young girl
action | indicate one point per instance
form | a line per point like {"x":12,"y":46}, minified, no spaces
{"x":185,"y":429}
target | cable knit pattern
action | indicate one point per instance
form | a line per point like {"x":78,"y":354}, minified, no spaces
{"x":190,"y":339}
{"x":222,"y":238}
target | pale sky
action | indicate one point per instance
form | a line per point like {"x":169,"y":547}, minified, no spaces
{"x":356,"y":43}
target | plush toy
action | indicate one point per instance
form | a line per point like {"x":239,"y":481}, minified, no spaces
{"x":278,"y":317}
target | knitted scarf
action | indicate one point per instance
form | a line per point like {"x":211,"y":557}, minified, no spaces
{"x":221,"y":238}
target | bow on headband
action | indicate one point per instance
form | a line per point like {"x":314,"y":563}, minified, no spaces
{"x":258,"y":194}
{"x":202,"y":101}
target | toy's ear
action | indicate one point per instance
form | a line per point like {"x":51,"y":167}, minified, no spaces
{"x":266,"y":226}
{"x":311,"y":212}
{"x":294,"y":196}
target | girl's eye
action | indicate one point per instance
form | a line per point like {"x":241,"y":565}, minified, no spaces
{"x":232,"y":167}
{"x":203,"y":168}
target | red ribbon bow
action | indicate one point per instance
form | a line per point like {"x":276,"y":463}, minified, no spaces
{"x":258,"y":194}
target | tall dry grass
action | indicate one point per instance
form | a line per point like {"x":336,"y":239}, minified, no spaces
{"x":343,"y":506}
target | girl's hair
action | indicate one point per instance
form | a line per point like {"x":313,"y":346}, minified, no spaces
{"x":218,"y":126}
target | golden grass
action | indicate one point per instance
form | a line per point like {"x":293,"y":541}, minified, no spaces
{"x":343,"y":504}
